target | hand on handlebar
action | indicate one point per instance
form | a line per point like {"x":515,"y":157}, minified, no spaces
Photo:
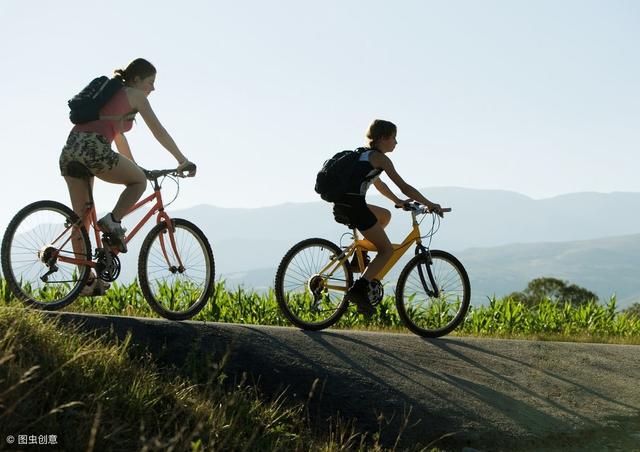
{"x":187,"y":166}
{"x":433,"y":207}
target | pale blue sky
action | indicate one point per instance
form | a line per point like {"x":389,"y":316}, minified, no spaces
{"x":538,"y":97}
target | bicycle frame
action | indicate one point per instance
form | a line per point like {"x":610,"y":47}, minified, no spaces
{"x":156,"y":208}
{"x":359,"y":245}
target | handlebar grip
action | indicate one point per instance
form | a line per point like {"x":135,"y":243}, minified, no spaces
{"x":190,"y":167}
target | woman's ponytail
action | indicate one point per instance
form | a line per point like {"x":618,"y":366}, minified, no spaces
{"x":137,"y":68}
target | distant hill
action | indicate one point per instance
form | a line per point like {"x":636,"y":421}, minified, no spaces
{"x":605,"y":266}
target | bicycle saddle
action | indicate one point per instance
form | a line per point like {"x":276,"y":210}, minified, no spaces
{"x":78,"y":170}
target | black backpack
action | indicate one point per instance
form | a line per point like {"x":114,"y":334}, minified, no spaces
{"x":85,"y":106}
{"x":333,"y":179}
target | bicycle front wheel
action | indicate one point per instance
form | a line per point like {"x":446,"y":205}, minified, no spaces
{"x":311,"y":284}
{"x":177,"y":281}
{"x":433,"y":298}
{"x":37,"y":238}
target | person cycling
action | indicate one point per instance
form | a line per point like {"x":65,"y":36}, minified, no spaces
{"x":90,"y":145}
{"x":371,"y":220}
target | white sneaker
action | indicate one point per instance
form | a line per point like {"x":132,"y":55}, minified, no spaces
{"x":94,"y":288}
{"x":115,"y":231}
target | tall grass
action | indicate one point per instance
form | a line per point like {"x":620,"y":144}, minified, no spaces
{"x":505,"y":317}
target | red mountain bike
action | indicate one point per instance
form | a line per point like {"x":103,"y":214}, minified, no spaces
{"x":47,"y":257}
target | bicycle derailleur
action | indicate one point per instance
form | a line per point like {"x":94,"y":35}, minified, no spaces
{"x":107,"y":265}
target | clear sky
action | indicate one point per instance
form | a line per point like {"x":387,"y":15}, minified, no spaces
{"x":539,"y":97}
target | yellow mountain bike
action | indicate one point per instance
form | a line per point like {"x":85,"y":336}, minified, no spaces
{"x":432,"y":292}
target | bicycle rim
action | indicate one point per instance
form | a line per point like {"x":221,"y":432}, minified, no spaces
{"x":33,"y":242}
{"x":424,"y":311}
{"x":311,"y":285}
{"x":176,"y":283}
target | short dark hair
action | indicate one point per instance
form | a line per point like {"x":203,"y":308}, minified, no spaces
{"x":379,"y":129}
{"x":137,"y":68}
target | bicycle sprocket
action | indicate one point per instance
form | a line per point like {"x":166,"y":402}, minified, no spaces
{"x":107,"y":265}
{"x":376,"y":292}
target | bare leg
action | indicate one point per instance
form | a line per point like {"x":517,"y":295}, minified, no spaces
{"x":127,"y":173}
{"x":79,"y":194}
{"x":378,"y":237}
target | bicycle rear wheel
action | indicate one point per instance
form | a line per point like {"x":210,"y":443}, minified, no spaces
{"x":32,"y":245}
{"x":177,"y":283}
{"x":428,"y":312}
{"x":311,"y":284}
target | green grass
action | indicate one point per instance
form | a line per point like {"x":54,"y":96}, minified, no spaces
{"x":96,"y":394}
{"x":503,"y":318}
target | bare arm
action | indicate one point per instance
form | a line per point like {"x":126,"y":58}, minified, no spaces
{"x":140,"y":102}
{"x":123,"y":146}
{"x":379,"y":160}
{"x":386,"y":192}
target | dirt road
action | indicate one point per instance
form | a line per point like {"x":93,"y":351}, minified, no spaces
{"x":487,"y":394}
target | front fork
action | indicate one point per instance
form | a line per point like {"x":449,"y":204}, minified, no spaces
{"x":170,"y":231}
{"x":432,"y":288}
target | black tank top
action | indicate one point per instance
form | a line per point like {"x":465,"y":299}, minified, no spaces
{"x":364,"y":174}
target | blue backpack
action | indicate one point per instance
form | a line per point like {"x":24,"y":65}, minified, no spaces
{"x":85,"y":106}
{"x":333,"y":178}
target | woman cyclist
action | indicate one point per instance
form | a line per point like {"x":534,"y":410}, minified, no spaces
{"x":89,"y":144}
{"x":371,"y":220}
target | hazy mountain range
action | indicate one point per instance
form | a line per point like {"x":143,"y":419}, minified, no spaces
{"x":504,"y":239}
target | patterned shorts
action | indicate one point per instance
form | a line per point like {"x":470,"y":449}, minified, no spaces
{"x":90,"y":149}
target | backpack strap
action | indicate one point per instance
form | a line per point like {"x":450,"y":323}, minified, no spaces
{"x":126,"y":117}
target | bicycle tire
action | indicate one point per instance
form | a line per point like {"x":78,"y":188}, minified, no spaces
{"x":424,"y":314}
{"x":298,"y":272}
{"x":30,"y":235}
{"x":173,"y":293}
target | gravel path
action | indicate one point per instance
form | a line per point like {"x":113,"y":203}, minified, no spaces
{"x":487,"y":394}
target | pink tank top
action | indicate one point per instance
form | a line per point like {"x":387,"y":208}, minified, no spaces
{"x":118,"y":105}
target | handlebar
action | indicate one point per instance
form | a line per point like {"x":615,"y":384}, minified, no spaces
{"x":155,"y":174}
{"x":419,"y":208}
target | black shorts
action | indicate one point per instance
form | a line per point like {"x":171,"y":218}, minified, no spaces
{"x":353,"y":210}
